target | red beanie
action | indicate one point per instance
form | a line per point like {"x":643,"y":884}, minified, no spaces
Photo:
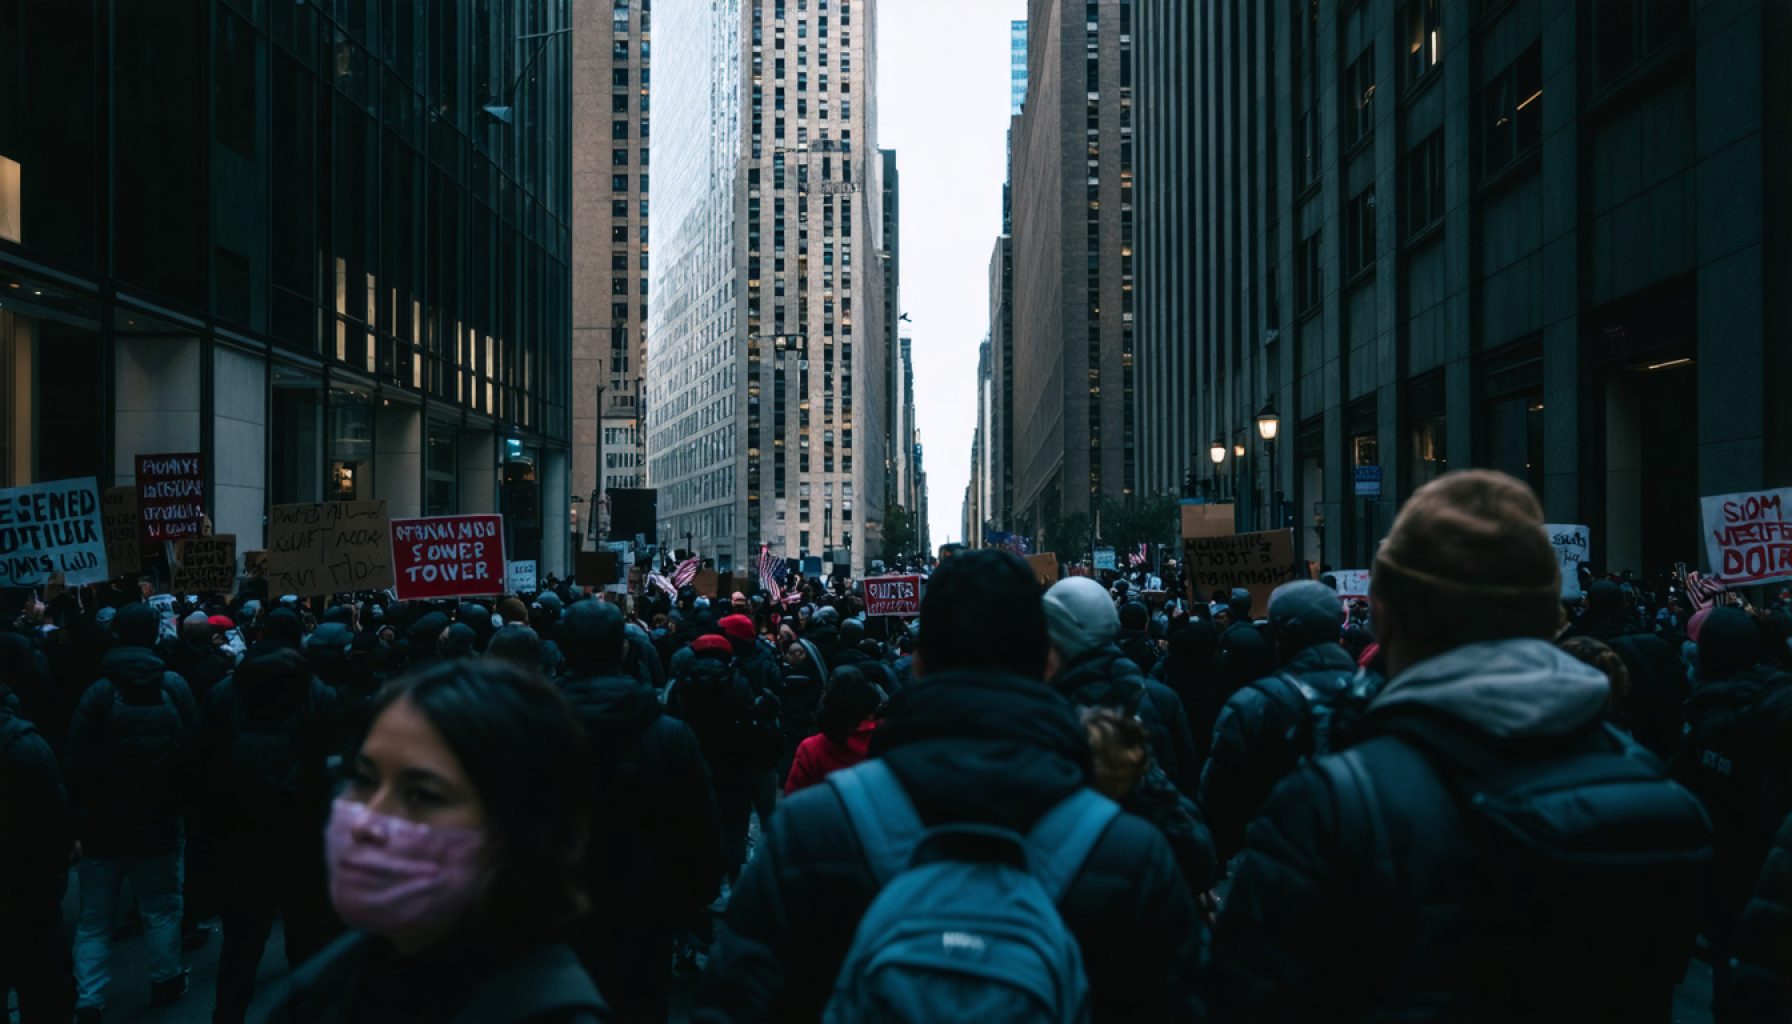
{"x":713,"y":644}
{"x":737,"y":627}
{"x":223,"y":622}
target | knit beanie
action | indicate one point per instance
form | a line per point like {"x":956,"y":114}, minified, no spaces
{"x":1305,"y":613}
{"x":1079,"y":615}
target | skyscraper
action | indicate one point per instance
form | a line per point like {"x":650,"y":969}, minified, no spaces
{"x":610,"y":184}
{"x":767,"y":351}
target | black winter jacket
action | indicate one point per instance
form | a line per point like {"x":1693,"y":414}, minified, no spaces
{"x":36,"y":827}
{"x":1761,"y":980}
{"x":1256,"y":737}
{"x":203,"y":666}
{"x":966,"y":747}
{"x":1106,"y":678}
{"x":130,"y":750}
{"x":1352,"y":901}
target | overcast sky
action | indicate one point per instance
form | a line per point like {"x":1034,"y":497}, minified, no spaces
{"x":943,"y":99}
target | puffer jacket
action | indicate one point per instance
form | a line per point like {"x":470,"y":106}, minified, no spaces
{"x":1256,"y":737}
{"x":1761,"y":958}
{"x":966,"y":746}
{"x":1104,"y":677}
{"x":1353,"y":899}
{"x":130,"y":749}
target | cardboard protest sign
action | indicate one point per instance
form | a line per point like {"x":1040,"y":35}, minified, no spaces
{"x":205,"y":565}
{"x":448,"y":556}
{"x":707,"y":583}
{"x":1748,"y":536}
{"x":1258,"y":562}
{"x":519,"y":577}
{"x":330,"y":547}
{"x":1572,"y":544}
{"x":255,"y":564}
{"x":1351,"y":582}
{"x":893,"y":595}
{"x":1204,"y":519}
{"x":123,"y":525}
{"x":171,"y":495}
{"x":1045,"y":568}
{"x":51,"y":528}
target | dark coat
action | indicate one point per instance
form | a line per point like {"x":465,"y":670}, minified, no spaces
{"x":203,"y":666}
{"x":36,"y":826}
{"x":966,"y":747}
{"x":1106,"y":678}
{"x":130,"y":750}
{"x":1761,"y":980}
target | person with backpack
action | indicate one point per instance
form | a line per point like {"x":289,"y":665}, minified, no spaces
{"x":1089,"y":670}
{"x":1488,"y":848}
{"x":894,"y":879}
{"x":656,"y":849}
{"x":1134,"y":638}
{"x":737,"y":730}
{"x":266,"y":734}
{"x":1266,"y":728}
{"x":130,"y":747}
{"x":37,"y":844}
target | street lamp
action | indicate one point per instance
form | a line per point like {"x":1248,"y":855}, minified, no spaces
{"x":1217,"y":451}
{"x":1268,"y":425}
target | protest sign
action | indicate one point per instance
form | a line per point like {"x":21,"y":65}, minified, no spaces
{"x":205,"y":565}
{"x":51,"y":528}
{"x":1104,"y":559}
{"x":330,"y":547}
{"x":171,"y":495}
{"x":1572,"y":544}
{"x":893,"y":595}
{"x":448,"y":556}
{"x":1351,"y":582}
{"x":1748,"y":536}
{"x":595,"y":568}
{"x":519,"y":577}
{"x":123,"y":525}
{"x":1045,"y":568}
{"x":1204,"y":519}
{"x":1258,"y":562}
{"x":706,"y":582}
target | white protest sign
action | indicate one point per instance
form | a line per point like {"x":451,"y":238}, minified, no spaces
{"x":1351,"y":582}
{"x":1572,"y":543}
{"x":519,"y":577}
{"x":52,"y":528}
{"x":1748,"y":536}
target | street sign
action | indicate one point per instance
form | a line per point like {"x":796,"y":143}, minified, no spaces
{"x":1368,"y":481}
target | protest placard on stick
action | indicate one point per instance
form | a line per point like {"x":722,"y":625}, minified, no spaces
{"x":1748,"y":536}
{"x":51,"y":528}
{"x":1258,"y":562}
{"x":123,"y":526}
{"x":330,"y":547}
{"x":205,"y":565}
{"x":171,"y":495}
{"x":448,"y":556}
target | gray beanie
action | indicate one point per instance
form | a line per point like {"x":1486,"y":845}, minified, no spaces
{"x":1079,"y":615}
{"x":1304,"y":613}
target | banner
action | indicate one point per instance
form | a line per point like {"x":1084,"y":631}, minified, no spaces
{"x":123,"y":525}
{"x":1572,"y":544}
{"x":1045,"y":568}
{"x":1748,"y":536}
{"x":519,"y":577}
{"x":52,"y":528}
{"x":893,"y":595}
{"x":331,"y":547}
{"x":448,"y":556}
{"x":171,"y":495}
{"x":1258,"y":562}
{"x":205,"y":565}
{"x":1203,"y":519}
{"x":1351,"y":582}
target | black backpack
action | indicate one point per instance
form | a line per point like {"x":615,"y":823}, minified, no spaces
{"x":143,"y":739}
{"x":732,"y":722}
{"x":1324,"y":720}
{"x":266,"y":755}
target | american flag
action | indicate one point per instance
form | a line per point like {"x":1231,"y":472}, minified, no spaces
{"x":772,"y":572}
{"x":1141,"y":556}
{"x":1702,"y":590}
{"x":686,"y":571}
{"x":654,"y":579}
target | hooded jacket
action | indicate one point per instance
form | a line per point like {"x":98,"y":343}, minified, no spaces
{"x":1104,"y":677}
{"x":129,"y":752}
{"x":818,"y":756}
{"x":1351,"y":901}
{"x":966,"y":746}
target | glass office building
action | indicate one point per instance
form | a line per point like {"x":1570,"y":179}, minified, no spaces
{"x":324,"y":242}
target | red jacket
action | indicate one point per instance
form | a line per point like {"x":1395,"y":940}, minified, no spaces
{"x":818,"y":756}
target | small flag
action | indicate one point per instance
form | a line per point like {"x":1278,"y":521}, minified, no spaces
{"x":685,"y":572}
{"x":768,"y":575}
{"x":1702,"y":590}
{"x":654,"y":579}
{"x":1141,"y":556}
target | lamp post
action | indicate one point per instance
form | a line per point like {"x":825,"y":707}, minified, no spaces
{"x":1217,"y":453}
{"x":1268,"y":426}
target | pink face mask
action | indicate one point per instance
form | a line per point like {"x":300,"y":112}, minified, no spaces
{"x":389,"y":875}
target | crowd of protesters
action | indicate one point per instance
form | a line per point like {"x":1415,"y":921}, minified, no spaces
{"x":1460,"y":798}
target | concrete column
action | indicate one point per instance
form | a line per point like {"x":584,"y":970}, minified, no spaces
{"x":157,"y":395}
{"x":239,"y":445}
{"x":398,"y":459}
{"x":556,"y":524}
{"x":478,"y":471}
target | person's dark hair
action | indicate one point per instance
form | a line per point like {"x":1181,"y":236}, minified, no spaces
{"x":458,"y":641}
{"x":591,"y":638}
{"x":848,"y":699}
{"x":517,"y":644}
{"x":983,"y":610}
{"x":527,"y":757}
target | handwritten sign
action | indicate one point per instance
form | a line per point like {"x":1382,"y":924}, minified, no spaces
{"x":1351,"y":582}
{"x":893,"y":595}
{"x":519,"y":577}
{"x":51,"y":528}
{"x":330,"y":547}
{"x":171,"y":495}
{"x":448,"y":556}
{"x":1572,"y":544}
{"x":205,"y":565}
{"x":1045,"y":568}
{"x":123,"y":525}
{"x":1258,"y":562}
{"x":1748,"y":536}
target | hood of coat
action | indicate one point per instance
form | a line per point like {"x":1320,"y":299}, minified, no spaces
{"x":621,"y":704}
{"x":133,"y":669}
{"x":1507,"y":689}
{"x":982,"y":746}
{"x":1102,"y":676}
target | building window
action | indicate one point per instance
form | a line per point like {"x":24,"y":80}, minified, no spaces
{"x":1424,"y":204}
{"x":1511,"y":413}
{"x":1422,"y":39}
{"x":1359,"y":98}
{"x":1626,"y":31}
{"x":1427,"y":457}
{"x":618,"y":129}
{"x":1309,"y":284}
{"x":1359,"y":233}
{"x":1512,"y":112}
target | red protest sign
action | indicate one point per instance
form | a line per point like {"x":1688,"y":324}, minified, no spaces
{"x":448,"y":556}
{"x":171,"y":495}
{"x":893,"y":595}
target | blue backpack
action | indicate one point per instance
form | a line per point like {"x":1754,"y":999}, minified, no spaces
{"x":965,"y":925}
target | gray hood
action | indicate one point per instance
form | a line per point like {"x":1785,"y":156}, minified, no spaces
{"x":1504,"y":688}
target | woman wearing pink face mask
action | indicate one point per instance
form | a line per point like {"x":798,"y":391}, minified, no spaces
{"x":454,"y":854}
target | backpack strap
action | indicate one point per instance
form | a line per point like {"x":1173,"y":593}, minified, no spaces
{"x":1061,"y":841}
{"x":881,"y":815}
{"x":1350,"y":781}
